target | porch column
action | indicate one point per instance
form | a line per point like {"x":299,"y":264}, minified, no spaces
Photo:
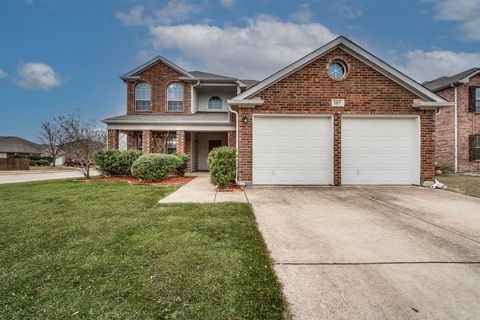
{"x":181,"y":141}
{"x":231,"y":139}
{"x":112,"y":140}
{"x":146,"y":141}
{"x":131,"y":140}
{"x":189,"y":149}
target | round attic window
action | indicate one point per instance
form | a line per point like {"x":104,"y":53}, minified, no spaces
{"x":337,"y":70}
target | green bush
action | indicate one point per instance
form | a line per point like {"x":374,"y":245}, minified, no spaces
{"x":183,"y":157}
{"x":221,"y":163}
{"x":116,"y":162}
{"x":40,"y":160}
{"x":155,"y":166}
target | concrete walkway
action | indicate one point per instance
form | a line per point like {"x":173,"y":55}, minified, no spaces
{"x":200,"y":190}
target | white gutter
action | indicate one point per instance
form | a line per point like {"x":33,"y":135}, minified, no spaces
{"x":421,"y":104}
{"x":456,"y":130}
{"x":245,"y":102}
{"x":240,"y":183}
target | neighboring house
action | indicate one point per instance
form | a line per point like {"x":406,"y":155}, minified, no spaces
{"x":337,"y":116}
{"x":18,"y":147}
{"x":457,"y":129}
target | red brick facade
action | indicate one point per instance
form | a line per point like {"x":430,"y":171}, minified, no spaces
{"x":468,"y":124}
{"x":231,"y":139}
{"x":310,"y":90}
{"x":112,"y":139}
{"x":159,"y":76}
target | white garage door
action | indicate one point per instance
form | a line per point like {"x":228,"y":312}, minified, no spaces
{"x":292,"y":150}
{"x":380,"y":151}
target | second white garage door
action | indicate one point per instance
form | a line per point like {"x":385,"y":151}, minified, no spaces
{"x":291,"y":150}
{"x":380,"y":151}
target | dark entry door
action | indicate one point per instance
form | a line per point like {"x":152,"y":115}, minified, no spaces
{"x":212,"y":144}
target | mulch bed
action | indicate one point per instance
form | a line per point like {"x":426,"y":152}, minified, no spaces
{"x":172,"y":180}
{"x":232,"y":187}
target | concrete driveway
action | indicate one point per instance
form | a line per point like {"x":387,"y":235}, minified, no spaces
{"x":373,"y":252}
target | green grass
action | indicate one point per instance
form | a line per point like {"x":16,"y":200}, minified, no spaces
{"x":109,"y":251}
{"x":462,"y":183}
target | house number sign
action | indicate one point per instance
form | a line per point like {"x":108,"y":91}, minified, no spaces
{"x":338,"y":102}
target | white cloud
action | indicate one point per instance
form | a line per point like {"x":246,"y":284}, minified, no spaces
{"x":227,"y":3}
{"x":303,"y":14}
{"x":176,"y":11}
{"x":134,"y":17}
{"x":256,"y":50}
{"x":38,"y":76}
{"x":179,"y":10}
{"x":346,"y":9}
{"x":428,"y":65}
{"x":466,"y":12}
{"x":3,"y":74}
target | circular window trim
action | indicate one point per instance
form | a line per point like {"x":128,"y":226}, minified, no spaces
{"x":343,"y":64}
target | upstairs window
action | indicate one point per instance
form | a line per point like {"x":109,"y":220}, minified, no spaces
{"x":175,"y":97}
{"x":143,"y":96}
{"x":474,"y":147}
{"x":215,"y":103}
{"x":474,"y":99}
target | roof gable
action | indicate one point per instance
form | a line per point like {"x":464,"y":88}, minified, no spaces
{"x":133,"y":74}
{"x":356,"y":51}
{"x":19,"y":145}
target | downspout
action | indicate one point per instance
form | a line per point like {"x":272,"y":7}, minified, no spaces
{"x":193,"y":86}
{"x":456,"y":130}
{"x":240,"y":183}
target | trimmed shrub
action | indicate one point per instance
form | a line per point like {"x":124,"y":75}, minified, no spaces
{"x":183,"y":157}
{"x":116,"y":162}
{"x":221,"y":163}
{"x":155,"y":166}
{"x":40,"y":160}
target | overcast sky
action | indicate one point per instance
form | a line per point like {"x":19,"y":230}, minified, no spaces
{"x":59,"y":55}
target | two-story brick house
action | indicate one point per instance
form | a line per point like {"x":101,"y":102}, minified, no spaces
{"x":458,"y":129}
{"x":336,"y":116}
{"x":170,"y":109}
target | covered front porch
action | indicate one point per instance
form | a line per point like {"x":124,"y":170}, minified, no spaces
{"x":196,"y":143}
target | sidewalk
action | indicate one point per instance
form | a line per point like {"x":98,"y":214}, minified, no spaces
{"x":200,"y":190}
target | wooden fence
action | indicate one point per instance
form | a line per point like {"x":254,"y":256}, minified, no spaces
{"x":14,"y":164}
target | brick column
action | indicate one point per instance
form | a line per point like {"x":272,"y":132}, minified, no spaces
{"x":231,"y":139}
{"x":131,"y":140}
{"x":181,"y":141}
{"x":147,"y":141}
{"x":427,"y":149}
{"x":245,"y":148}
{"x":188,"y":149}
{"x":112,"y":139}
{"x":337,"y":149}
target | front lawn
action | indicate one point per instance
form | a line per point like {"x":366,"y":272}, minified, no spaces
{"x":462,"y":183}
{"x":74,"y":250}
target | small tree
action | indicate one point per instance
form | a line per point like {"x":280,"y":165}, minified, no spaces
{"x":50,"y":136}
{"x":81,"y":139}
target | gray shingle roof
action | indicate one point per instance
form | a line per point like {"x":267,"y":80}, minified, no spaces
{"x":443,"y":82}
{"x":207,"y":75}
{"x":19,"y":145}
{"x":199,"y":117}
{"x":250,"y":83}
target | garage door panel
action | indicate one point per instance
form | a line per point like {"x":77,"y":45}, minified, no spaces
{"x":380,"y":151}
{"x":292,"y":150}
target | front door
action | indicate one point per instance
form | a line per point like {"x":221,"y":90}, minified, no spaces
{"x":212,"y":144}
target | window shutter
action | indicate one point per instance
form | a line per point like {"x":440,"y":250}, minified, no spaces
{"x":474,"y":143}
{"x":471,"y":105}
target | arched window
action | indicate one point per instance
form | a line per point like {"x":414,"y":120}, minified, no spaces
{"x":143,"y":96}
{"x":175,"y":97}
{"x":215,"y":103}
